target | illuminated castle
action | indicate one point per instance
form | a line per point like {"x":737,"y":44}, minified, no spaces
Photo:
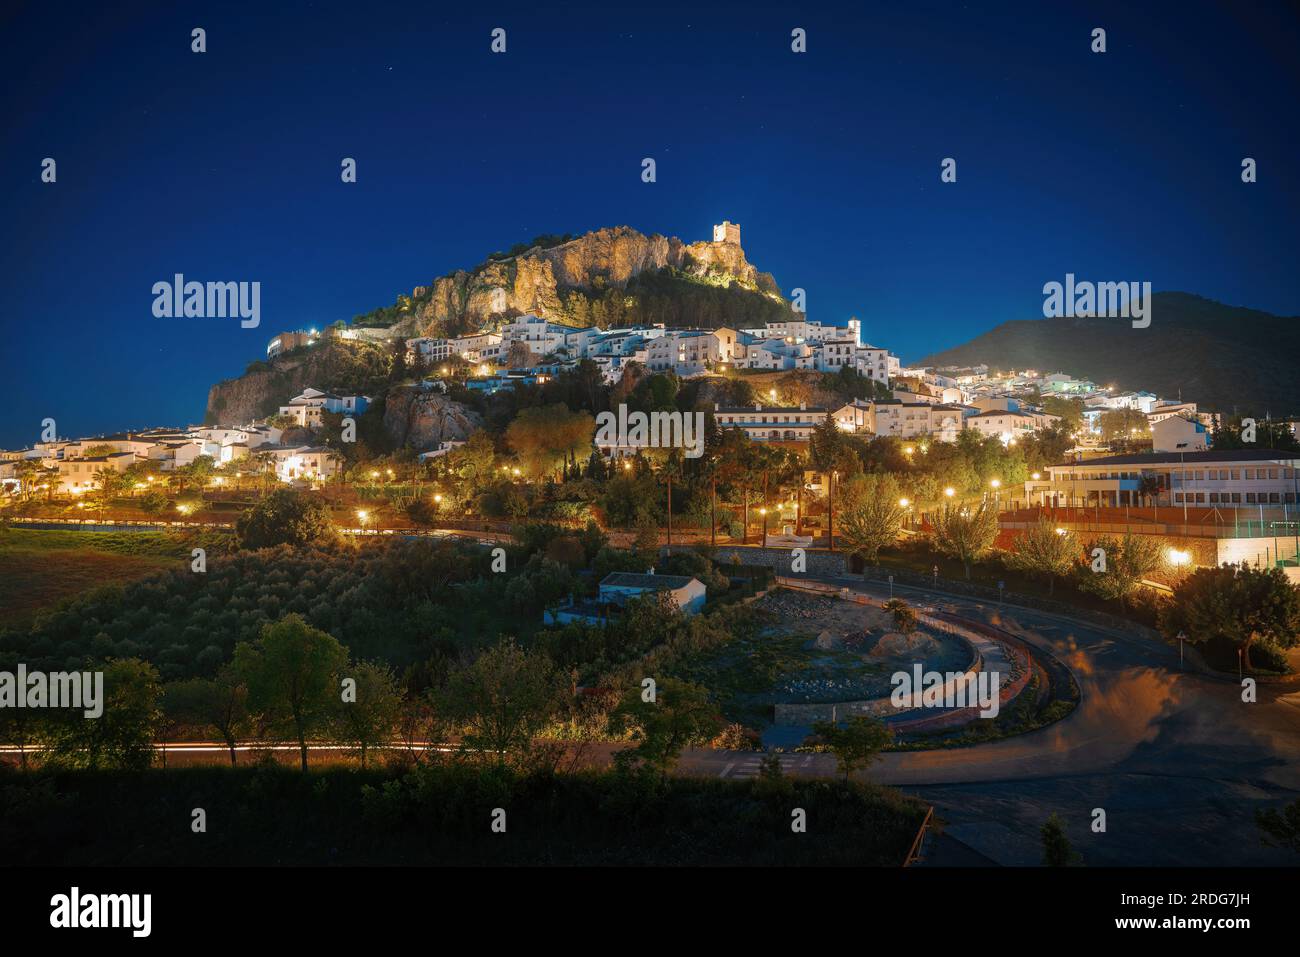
{"x":726,"y":232}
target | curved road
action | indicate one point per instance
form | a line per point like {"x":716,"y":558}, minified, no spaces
{"x":1176,"y":760}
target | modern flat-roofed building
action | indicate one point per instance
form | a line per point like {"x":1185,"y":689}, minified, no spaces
{"x":1231,"y":478}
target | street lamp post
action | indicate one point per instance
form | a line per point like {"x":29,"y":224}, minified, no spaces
{"x":763,"y":512}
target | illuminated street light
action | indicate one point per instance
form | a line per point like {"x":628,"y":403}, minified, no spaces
{"x":1177,"y":557}
{"x":1036,"y":476}
{"x":996,"y":483}
{"x":903,"y":502}
{"x":950,"y":491}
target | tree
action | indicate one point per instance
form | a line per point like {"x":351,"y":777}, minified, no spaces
{"x":219,"y":703}
{"x":109,"y":482}
{"x":264,"y":466}
{"x":31,"y":475}
{"x":548,"y":437}
{"x":519,"y":356}
{"x":292,"y":673}
{"x":1243,"y":604}
{"x":1045,"y":550}
{"x":1149,"y":486}
{"x":1281,"y":828}
{"x":368,"y":719}
{"x":473,"y":462}
{"x":966,"y":533}
{"x":1123,"y":424}
{"x":1070,"y":411}
{"x":286,"y":517}
{"x":122,"y":736}
{"x":680,"y":714}
{"x":905,"y":618}
{"x":198,"y":473}
{"x":1128,"y":560}
{"x":871,"y":517}
{"x":503,"y":700}
{"x":856,"y":743}
{"x":22,"y":727}
{"x":1057,"y":851}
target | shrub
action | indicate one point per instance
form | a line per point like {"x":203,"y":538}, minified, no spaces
{"x":286,"y":517}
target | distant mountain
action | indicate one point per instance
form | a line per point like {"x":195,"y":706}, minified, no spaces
{"x":1221,"y":357}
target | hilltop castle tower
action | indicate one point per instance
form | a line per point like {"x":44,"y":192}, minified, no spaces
{"x":726,"y":232}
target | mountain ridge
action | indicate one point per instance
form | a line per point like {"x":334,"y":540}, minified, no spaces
{"x":1223,"y":357}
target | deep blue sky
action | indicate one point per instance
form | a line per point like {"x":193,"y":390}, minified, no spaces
{"x":225,"y":165}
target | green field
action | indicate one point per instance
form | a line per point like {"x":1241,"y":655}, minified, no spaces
{"x":39,"y":568}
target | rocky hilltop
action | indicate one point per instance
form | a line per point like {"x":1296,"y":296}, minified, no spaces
{"x":561,"y":282}
{"x":609,"y":277}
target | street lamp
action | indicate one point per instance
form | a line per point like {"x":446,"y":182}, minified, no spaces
{"x":763,"y":512}
{"x":362,"y":515}
{"x":949,"y":492}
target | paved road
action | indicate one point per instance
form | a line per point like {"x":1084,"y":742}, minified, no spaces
{"x":1177,"y":760}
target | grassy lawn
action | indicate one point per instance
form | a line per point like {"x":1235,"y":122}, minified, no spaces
{"x":38,"y":568}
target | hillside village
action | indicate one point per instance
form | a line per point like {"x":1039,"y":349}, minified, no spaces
{"x":779,"y":383}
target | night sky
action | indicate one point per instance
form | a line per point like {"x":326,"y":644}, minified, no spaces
{"x":225,"y":165}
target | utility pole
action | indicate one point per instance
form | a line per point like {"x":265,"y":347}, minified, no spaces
{"x":670,"y":512}
{"x":798,"y":508}
{"x":830,"y":510}
{"x":713,"y":512}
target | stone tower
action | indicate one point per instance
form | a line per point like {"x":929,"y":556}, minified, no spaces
{"x":726,"y":232}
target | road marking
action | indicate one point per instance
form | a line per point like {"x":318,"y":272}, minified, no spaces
{"x":723,"y":773}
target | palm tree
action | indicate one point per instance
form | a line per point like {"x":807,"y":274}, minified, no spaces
{"x":1149,"y":486}
{"x":265,"y":463}
{"x":109,"y":481}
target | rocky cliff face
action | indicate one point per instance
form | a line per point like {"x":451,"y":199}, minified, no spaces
{"x":532,"y":282}
{"x":423,"y":420}
{"x":354,"y":368}
{"x":258,"y":392}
